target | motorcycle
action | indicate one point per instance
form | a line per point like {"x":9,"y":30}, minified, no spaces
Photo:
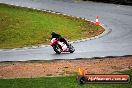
{"x":57,"y":45}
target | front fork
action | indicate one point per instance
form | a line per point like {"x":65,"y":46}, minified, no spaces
{"x":58,"y":45}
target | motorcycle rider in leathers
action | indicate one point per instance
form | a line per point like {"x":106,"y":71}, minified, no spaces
{"x":59,"y":38}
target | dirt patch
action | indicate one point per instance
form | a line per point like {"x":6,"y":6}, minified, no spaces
{"x":64,"y":67}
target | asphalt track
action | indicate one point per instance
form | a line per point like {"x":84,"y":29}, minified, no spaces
{"x":116,"y":43}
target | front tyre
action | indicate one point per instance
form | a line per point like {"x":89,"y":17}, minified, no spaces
{"x":57,"y":49}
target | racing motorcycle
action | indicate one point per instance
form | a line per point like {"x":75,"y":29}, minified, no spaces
{"x":57,"y":45}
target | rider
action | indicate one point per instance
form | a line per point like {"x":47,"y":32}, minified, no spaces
{"x":58,"y":37}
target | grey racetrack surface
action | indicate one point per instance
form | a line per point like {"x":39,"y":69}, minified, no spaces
{"x":116,"y":43}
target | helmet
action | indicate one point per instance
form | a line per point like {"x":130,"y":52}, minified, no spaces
{"x":52,"y":33}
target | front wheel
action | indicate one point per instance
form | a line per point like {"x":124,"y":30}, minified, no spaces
{"x":57,"y":49}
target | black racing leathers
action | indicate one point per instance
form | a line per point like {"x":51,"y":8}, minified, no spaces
{"x":57,"y":36}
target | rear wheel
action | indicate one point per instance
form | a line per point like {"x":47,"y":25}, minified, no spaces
{"x":57,"y":49}
{"x":71,"y":48}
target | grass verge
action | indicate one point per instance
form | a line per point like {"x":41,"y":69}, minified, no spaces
{"x":20,"y":27}
{"x":57,"y":82}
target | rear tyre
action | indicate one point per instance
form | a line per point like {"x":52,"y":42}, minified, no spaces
{"x":57,"y":49}
{"x":71,"y":48}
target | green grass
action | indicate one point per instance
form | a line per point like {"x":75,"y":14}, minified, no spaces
{"x":21,"y":27}
{"x":57,"y":82}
